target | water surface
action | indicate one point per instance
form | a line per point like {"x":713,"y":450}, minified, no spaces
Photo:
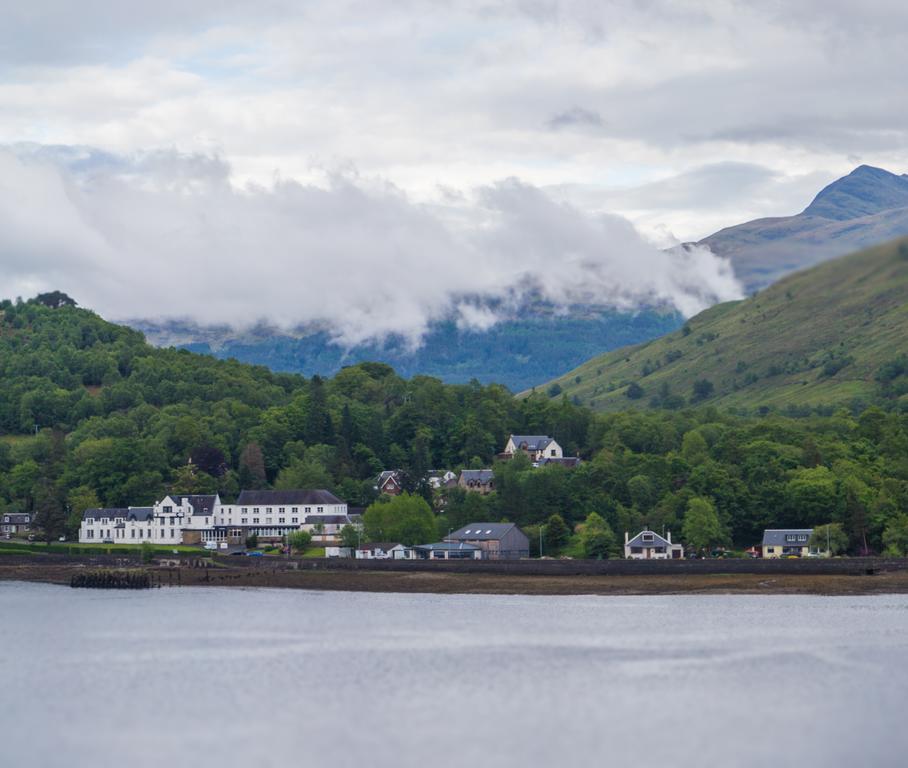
{"x":256,"y":677}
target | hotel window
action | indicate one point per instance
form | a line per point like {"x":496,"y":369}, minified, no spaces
{"x":172,"y":533}
{"x":269,"y":519}
{"x":255,"y":510}
{"x":255,"y":519}
{"x":308,"y":510}
{"x":280,"y":510}
{"x":321,"y":509}
{"x":132,"y":533}
{"x":282,"y":520}
{"x":552,"y":452}
{"x":295,"y":520}
{"x":295,"y":510}
{"x":168,"y":510}
{"x":244,"y":520}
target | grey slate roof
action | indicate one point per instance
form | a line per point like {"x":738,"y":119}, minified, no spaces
{"x":533,"y":442}
{"x":776,"y":537}
{"x":327,"y":519}
{"x":658,"y":541}
{"x":96,"y":513}
{"x":450,"y":546}
{"x":477,"y":475}
{"x":202,"y":504}
{"x":482,"y":531}
{"x":276,"y":498}
{"x":140,"y":514}
{"x":16,"y":518}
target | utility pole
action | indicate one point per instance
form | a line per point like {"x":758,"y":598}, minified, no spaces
{"x":540,"y":541}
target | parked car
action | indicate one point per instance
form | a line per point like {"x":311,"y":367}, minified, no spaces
{"x":256,"y":553}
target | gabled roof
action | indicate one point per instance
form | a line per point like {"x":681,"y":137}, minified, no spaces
{"x":776,"y":537}
{"x":275,"y":498}
{"x":388,"y":474}
{"x":531,"y":442}
{"x":202,"y":504}
{"x":96,"y":513}
{"x":567,"y":461}
{"x":140,"y":514}
{"x":658,"y":541}
{"x":327,"y":519}
{"x":16,"y":518}
{"x":477,"y":475}
{"x":482,"y":531}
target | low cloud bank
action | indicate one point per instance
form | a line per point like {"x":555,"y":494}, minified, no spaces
{"x":162,"y":235}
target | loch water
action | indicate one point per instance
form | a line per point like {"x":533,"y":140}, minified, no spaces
{"x":259,"y":677}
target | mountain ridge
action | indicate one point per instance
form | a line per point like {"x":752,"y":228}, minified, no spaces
{"x":828,"y":336}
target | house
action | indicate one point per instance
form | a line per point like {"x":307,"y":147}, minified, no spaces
{"x":570,"y":462}
{"x":389,"y":483}
{"x":384,"y":550}
{"x":15,"y":523}
{"x":649,"y":545}
{"x":477,"y":480}
{"x":335,"y":550}
{"x":535,"y":446}
{"x":496,"y":541}
{"x":448,"y":550}
{"x":198,"y":519}
{"x":788,"y":542}
{"x":439,"y":479}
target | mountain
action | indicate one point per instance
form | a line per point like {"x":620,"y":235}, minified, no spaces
{"x":540,"y":342}
{"x":537,"y":345}
{"x":867,"y":207}
{"x":827,"y":336}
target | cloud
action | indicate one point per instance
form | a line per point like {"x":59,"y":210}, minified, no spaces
{"x":575,"y":117}
{"x":166,"y":234}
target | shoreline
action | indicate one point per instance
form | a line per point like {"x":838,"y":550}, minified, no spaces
{"x":446,"y":582}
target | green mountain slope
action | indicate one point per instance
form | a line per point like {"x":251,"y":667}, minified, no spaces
{"x":826,"y":336}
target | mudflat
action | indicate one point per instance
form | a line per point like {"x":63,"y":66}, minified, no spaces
{"x":880,"y":582}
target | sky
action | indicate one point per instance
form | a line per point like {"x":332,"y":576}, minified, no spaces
{"x":376,"y":166}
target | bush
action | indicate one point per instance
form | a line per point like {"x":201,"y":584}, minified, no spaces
{"x":299,"y":541}
{"x":634,"y":391}
{"x":703,"y":388}
{"x":147,"y":552}
{"x":252,"y":541}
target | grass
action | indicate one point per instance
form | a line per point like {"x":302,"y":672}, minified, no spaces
{"x":314,"y":552}
{"x":771,"y":350}
{"x":11,"y":547}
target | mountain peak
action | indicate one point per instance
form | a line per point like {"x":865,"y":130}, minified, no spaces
{"x":865,"y":191}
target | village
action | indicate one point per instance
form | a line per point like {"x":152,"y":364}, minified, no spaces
{"x":269,"y":517}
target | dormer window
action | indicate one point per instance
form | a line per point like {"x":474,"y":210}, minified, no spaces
{"x":647,"y":537}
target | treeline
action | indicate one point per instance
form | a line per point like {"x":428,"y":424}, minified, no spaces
{"x":121,"y":423}
{"x":92,"y":415}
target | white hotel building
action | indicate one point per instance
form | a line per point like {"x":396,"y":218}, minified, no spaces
{"x":197,"y":519}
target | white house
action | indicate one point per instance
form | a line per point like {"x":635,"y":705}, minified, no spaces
{"x":197,"y":519}
{"x":649,"y":545}
{"x":390,"y":550}
{"x":535,"y":446}
{"x":117,"y":525}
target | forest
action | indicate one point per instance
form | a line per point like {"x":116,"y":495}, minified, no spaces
{"x":92,"y":415}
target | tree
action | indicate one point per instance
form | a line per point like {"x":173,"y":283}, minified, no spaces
{"x":350,"y":536}
{"x":252,"y":541}
{"x":702,"y":389}
{"x":634,"y":391}
{"x":556,"y":535}
{"x":50,"y":514}
{"x":79,"y":499}
{"x":407,"y":519}
{"x":702,"y":529}
{"x":299,"y":541}
{"x":831,"y":537}
{"x":252,"y":467}
{"x":694,"y":448}
{"x":55,"y":300}
{"x":895,"y":537}
{"x":597,"y":540}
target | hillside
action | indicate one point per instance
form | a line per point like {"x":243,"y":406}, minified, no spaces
{"x":517,"y":352}
{"x":827,"y":336}
{"x":867,"y":207}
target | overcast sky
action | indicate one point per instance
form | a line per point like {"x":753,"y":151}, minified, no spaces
{"x":399,"y":137}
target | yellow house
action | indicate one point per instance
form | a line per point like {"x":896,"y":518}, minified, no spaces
{"x":787,"y":542}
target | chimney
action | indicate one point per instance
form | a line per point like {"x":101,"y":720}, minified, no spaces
{"x":625,"y":538}
{"x":669,"y":537}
